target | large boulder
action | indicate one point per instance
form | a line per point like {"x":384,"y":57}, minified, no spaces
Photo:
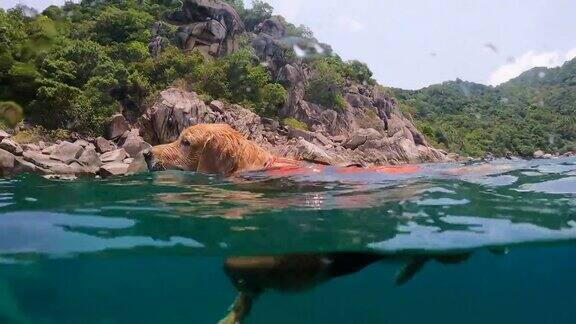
{"x":174,"y":111}
{"x":114,"y":169}
{"x":103,"y":145}
{"x":292,"y":78}
{"x":3,"y":134}
{"x":134,"y":145}
{"x":271,"y":26}
{"x":209,"y":26}
{"x":116,"y":126}
{"x":6,"y":162}
{"x":270,"y":51}
{"x":67,"y":152}
{"x":138,"y":165}
{"x":538,"y":154}
{"x":361,"y":136}
{"x":40,"y":160}
{"x":90,"y":160}
{"x":23,"y":166}
{"x":11,"y":146}
{"x":73,"y":168}
{"x":301,"y":149}
{"x":114,"y":156}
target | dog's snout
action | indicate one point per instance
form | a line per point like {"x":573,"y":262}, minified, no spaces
{"x":147,"y":154}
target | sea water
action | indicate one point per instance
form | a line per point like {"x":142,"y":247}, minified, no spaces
{"x":494,"y":246}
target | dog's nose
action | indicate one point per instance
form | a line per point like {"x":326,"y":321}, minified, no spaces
{"x":147,"y":154}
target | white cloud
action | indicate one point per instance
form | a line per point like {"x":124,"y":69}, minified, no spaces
{"x":528,"y":61}
{"x":350,"y":24}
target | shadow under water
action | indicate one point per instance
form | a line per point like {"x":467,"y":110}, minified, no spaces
{"x":254,"y":275}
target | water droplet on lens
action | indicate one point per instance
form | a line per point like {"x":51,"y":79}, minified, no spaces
{"x":299,"y":51}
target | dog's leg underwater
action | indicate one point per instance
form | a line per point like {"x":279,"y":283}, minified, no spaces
{"x":240,"y":308}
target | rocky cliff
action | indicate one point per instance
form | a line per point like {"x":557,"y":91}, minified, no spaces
{"x":369,"y":130}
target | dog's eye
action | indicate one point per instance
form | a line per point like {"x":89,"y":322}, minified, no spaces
{"x":185,"y":142}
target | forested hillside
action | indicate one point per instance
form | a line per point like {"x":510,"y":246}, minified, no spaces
{"x":535,"y":111}
{"x":72,"y":67}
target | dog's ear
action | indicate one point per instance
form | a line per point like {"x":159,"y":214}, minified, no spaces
{"x":217,"y":158}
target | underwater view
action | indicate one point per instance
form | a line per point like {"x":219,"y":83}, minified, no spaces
{"x":496,"y":245}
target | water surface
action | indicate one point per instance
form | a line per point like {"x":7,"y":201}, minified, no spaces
{"x":176,"y":247}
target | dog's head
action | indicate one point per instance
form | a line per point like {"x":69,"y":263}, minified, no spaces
{"x":208,"y":148}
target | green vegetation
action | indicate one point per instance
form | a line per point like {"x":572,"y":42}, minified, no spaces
{"x":328,"y":79}
{"x":39,"y":133}
{"x":534,"y":111}
{"x":72,"y":67}
{"x":295,"y":123}
{"x":325,"y":85}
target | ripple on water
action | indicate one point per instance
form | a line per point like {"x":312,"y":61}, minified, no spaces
{"x":559,"y":186}
{"x":556,"y":168}
{"x":20,"y":234}
{"x":479,"y":232}
{"x":497,"y":181}
{"x":442,"y":202}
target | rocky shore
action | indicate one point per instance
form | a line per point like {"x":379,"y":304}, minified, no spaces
{"x":119,"y":152}
{"x":83,"y":157}
{"x":332,"y":140}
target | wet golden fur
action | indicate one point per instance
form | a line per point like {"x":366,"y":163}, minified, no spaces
{"x":210,"y":148}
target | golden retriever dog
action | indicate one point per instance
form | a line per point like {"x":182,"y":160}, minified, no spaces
{"x":214,"y":149}
{"x":219,"y":149}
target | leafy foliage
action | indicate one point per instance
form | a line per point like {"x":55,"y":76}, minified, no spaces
{"x":295,"y":123}
{"x":534,"y":111}
{"x":325,"y":85}
{"x":74,"y":66}
{"x":238,"y":78}
{"x":329,"y":76}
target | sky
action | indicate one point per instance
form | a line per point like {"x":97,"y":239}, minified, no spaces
{"x":415,"y":43}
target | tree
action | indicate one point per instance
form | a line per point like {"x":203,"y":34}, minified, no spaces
{"x":115,"y":25}
{"x":326,"y":84}
{"x":260,"y":11}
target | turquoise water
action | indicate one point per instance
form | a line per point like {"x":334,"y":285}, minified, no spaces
{"x":173,"y":247}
